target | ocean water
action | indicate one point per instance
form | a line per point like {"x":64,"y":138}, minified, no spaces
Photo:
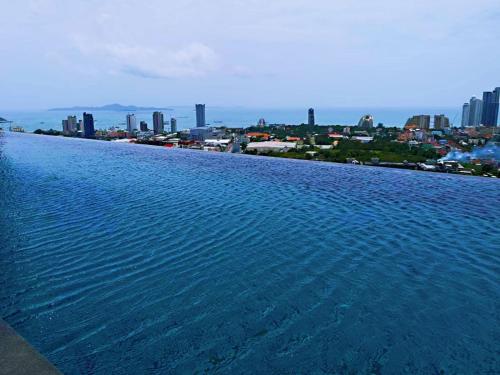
{"x":128,"y":259}
{"x":230,"y":117}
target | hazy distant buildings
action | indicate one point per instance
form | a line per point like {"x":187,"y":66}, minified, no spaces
{"x":489,"y":116}
{"x":366,"y":122}
{"x":131,"y":124}
{"x":441,"y":122}
{"x":200,"y":115}
{"x":173,"y":125}
{"x":72,"y":124}
{"x":482,"y":112}
{"x":200,"y":134}
{"x":465,"y":115}
{"x":88,"y":125}
{"x":69,"y":125}
{"x":310,"y":117}
{"x":475,"y":111}
{"x":143,"y":126}
{"x":261,"y":123}
{"x":158,"y":123}
{"x":423,"y":122}
{"x":419,"y":122}
{"x":65,"y":126}
{"x":497,"y":105}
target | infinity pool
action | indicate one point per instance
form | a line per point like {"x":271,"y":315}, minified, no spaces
{"x":127,"y":259}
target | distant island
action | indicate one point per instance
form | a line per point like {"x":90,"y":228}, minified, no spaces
{"x":110,"y":107}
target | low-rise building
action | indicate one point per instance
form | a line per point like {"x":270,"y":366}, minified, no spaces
{"x":258,"y":135}
{"x":200,"y":134}
{"x":362,"y":139}
{"x":336,"y":136}
{"x":268,"y":146}
{"x":217,"y":142}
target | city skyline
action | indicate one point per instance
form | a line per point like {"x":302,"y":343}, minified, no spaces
{"x":225,"y":58}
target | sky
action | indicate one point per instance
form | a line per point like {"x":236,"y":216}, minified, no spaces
{"x":250,"y":53}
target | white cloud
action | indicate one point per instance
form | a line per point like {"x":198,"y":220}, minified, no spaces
{"x":193,"y":60}
{"x":293,"y":51}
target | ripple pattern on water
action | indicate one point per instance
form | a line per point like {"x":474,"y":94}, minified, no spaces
{"x":120,"y":258}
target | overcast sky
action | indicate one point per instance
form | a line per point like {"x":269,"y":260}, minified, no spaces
{"x":272,"y":53}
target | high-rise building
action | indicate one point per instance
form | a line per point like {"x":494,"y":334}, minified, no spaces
{"x":131,"y":124}
{"x":88,"y":125}
{"x":200,"y":115}
{"x":65,"y":127}
{"x":441,"y":122}
{"x":475,"y":111}
{"x":489,"y":115}
{"x":419,"y":122}
{"x":465,"y":115}
{"x":488,"y":105}
{"x":173,"y":125}
{"x":72,"y":127}
{"x":496,"y":93}
{"x":158,"y":123}
{"x":310,"y":117}
{"x":143,"y":126}
{"x":69,"y":125}
{"x":366,"y":122}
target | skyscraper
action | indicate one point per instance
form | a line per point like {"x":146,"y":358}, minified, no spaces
{"x":441,"y":122}
{"x":173,"y":125}
{"x":419,"y":122}
{"x":157,"y":122}
{"x":489,"y":115}
{"x":131,"y":124}
{"x":496,"y":93}
{"x":200,"y":115}
{"x":65,"y":126}
{"x":69,"y":125}
{"x":465,"y":115}
{"x":310,"y":117}
{"x":487,"y":112}
{"x":88,"y":125}
{"x":143,"y":126}
{"x":475,"y":111}
{"x":72,"y":124}
{"x":366,"y":122}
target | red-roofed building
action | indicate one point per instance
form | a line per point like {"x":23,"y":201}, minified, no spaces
{"x":261,"y":136}
{"x":117,"y":134}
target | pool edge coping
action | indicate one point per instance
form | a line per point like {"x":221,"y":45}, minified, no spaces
{"x":18,"y":357}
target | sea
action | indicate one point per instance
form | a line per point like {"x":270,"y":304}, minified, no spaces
{"x":130,"y":259}
{"x":237,"y":117}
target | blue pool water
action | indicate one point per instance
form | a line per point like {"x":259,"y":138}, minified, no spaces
{"x":118,"y":258}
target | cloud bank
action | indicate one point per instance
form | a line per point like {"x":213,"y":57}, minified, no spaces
{"x":193,"y":60}
{"x":251,"y":52}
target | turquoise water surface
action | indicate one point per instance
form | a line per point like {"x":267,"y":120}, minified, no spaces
{"x":128,"y":259}
{"x":230,"y":117}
